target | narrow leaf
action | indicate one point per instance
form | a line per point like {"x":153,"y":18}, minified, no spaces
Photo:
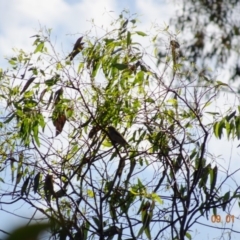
{"x":30,"y":80}
{"x":39,"y":47}
{"x":120,"y":66}
{"x":24,"y":186}
{"x":36,"y":182}
{"x":128,"y":38}
{"x":141,"y":33}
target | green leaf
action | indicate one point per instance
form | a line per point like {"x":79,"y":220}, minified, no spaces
{"x":80,"y":67}
{"x":96,"y":66}
{"x":28,"y":232}
{"x":39,"y":47}
{"x":120,"y":66}
{"x":213,"y":178}
{"x":42,"y":72}
{"x":96,"y":220}
{"x":193,"y":154}
{"x":230,"y":116}
{"x":213,"y":113}
{"x":156,"y":198}
{"x":128,"y":38}
{"x":218,"y":128}
{"x":140,"y":231}
{"x":36,"y":182}
{"x":229,"y":127}
{"x":219,"y":83}
{"x":35,"y":134}
{"x":51,"y":82}
{"x":108,"y":41}
{"x":225,"y":200}
{"x":147,"y":232}
{"x":237,"y":124}
{"x":133,"y":21}
{"x":173,"y":101}
{"x":59,"y":66}
{"x":90,"y":193}
{"x":139,"y":78}
{"x":124,"y":25}
{"x":141,"y":33}
{"x":24,"y":186}
{"x":85,"y":227}
{"x":10,"y":118}
{"x":12,"y":61}
{"x":188,"y":235}
{"x":214,"y":211}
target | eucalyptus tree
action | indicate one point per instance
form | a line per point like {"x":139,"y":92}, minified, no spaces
{"x":109,"y":143}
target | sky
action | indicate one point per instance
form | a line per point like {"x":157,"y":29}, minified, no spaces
{"x":69,"y":19}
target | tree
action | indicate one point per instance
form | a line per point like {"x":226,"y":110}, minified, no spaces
{"x":210,"y":38}
{"x":108,"y":145}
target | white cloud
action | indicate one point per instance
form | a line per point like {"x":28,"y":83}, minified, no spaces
{"x":155,"y":11}
{"x":21,"y":19}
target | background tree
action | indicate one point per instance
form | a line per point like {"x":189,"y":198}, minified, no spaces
{"x":210,"y":39}
{"x":109,"y":145}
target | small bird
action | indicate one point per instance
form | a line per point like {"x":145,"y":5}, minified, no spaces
{"x":174,"y":44}
{"x":78,"y":46}
{"x":116,"y":137}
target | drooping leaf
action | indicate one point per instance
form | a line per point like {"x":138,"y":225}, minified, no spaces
{"x":96,"y":220}
{"x":213,"y":178}
{"x":12,"y":160}
{"x":24,"y":186}
{"x":36,"y":182}
{"x":237,"y":124}
{"x":18,"y":179}
{"x":10,"y":118}
{"x":230,"y":116}
{"x":49,"y":100}
{"x":19,"y":170}
{"x":125,"y":24}
{"x":58,"y":95}
{"x":29,"y":81}
{"x":128,"y":38}
{"x":59,"y":123}
{"x":225,"y":200}
{"x":42,"y":94}
{"x":218,"y":128}
{"x":48,"y":187}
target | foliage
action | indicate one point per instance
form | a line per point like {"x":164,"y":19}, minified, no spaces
{"x":64,"y":162}
{"x":29,"y":232}
{"x":210,"y":37}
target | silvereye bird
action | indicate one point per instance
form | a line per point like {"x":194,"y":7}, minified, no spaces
{"x":116,"y":137}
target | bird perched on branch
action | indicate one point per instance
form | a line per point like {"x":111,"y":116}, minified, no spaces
{"x":174,"y":44}
{"x":78,"y":47}
{"x":116,"y":137}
